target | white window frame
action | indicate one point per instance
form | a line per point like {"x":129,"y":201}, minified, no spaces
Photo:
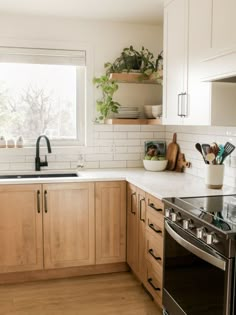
{"x":83,"y":115}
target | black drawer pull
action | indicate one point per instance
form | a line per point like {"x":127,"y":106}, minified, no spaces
{"x":38,"y":201}
{"x":155,"y":288}
{"x":151,"y":205}
{"x":131,"y":203}
{"x":152,"y":227}
{"x":151,"y":253}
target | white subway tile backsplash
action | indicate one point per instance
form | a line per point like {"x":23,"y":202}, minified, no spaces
{"x":112,"y":164}
{"x":126,"y":156}
{"x":120,"y":146}
{"x":127,"y":128}
{"x":135,"y":163}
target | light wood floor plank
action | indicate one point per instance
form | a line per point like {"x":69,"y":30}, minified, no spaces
{"x":110,"y":294}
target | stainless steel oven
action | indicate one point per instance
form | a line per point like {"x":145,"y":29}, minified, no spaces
{"x":199,"y":260}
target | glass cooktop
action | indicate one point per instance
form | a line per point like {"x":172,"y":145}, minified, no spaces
{"x":219,"y":211}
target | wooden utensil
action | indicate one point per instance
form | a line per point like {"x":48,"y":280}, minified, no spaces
{"x":172,"y":152}
{"x":210,"y":157}
{"x":181,"y":163}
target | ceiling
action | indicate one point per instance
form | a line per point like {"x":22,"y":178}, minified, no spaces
{"x":135,"y":11}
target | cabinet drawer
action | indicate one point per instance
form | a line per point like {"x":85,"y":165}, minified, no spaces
{"x":155,"y":206}
{"x":154,"y":253}
{"x":153,"y":284}
{"x":154,"y":224}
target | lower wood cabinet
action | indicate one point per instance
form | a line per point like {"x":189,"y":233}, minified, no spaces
{"x":21,"y":246}
{"x":110,"y":222}
{"x":136,"y":218}
{"x":46,"y":226}
{"x":154,"y":247}
{"x":68,"y":219}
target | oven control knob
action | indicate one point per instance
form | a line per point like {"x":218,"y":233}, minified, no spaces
{"x":211,"y":238}
{"x":201,"y":232}
{"x":188,"y":224}
{"x":173,"y":216}
{"x":168,"y":212}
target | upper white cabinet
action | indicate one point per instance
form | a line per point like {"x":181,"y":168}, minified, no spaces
{"x":186,"y":36}
{"x":187,"y":99}
{"x":220,"y":57}
{"x":175,"y":60}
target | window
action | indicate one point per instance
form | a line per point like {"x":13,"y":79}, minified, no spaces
{"x":42,"y":92}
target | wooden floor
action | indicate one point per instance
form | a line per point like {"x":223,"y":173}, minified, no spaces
{"x":113,"y":294}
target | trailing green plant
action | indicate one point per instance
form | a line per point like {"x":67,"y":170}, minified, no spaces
{"x":105,"y":105}
{"x":142,"y":61}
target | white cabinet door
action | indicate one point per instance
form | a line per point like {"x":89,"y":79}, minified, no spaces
{"x":199,"y":109}
{"x":220,"y":58}
{"x":175,"y":58}
{"x":223,"y":24}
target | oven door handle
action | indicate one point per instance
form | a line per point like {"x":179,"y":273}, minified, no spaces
{"x":213,"y":260}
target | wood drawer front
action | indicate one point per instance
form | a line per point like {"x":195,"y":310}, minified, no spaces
{"x":154,"y":224}
{"x":155,"y":206}
{"x":154,"y":253}
{"x":153,"y":284}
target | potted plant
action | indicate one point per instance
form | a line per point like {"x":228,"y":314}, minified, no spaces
{"x":142,"y":62}
{"x":106,"y":105}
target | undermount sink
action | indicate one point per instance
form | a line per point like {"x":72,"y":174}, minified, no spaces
{"x":38,"y":176}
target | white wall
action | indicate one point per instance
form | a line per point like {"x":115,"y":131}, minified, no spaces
{"x":109,"y":146}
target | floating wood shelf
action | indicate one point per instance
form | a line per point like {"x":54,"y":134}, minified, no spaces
{"x":131,"y":77}
{"x":116,"y":121}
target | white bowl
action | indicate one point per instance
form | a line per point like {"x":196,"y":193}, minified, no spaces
{"x":152,"y":111}
{"x":156,"y":111}
{"x":155,"y":166}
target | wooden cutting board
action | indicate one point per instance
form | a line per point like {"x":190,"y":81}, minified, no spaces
{"x":181,"y":163}
{"x":172,"y":153}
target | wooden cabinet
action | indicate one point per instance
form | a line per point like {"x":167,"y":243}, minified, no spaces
{"x":154,"y":247}
{"x":110,"y":222}
{"x":20,"y":228}
{"x":132,"y":228}
{"x":136,"y":217}
{"x":54,"y":221}
{"x":69,"y":238}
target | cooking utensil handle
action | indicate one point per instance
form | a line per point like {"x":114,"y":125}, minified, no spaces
{"x":213,"y":260}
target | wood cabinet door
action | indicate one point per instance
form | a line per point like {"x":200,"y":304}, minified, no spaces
{"x":68,"y":225}
{"x":110,"y":222}
{"x":20,"y":228}
{"x":132,"y":228}
{"x":141,"y":234}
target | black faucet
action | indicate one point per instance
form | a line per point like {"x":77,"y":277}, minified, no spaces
{"x":38,"y":163}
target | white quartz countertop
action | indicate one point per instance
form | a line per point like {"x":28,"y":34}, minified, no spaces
{"x":159,"y":184}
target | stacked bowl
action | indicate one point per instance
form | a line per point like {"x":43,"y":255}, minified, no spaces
{"x":153,"y":111}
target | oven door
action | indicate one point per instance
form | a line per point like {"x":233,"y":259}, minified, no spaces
{"x":197,"y":280}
